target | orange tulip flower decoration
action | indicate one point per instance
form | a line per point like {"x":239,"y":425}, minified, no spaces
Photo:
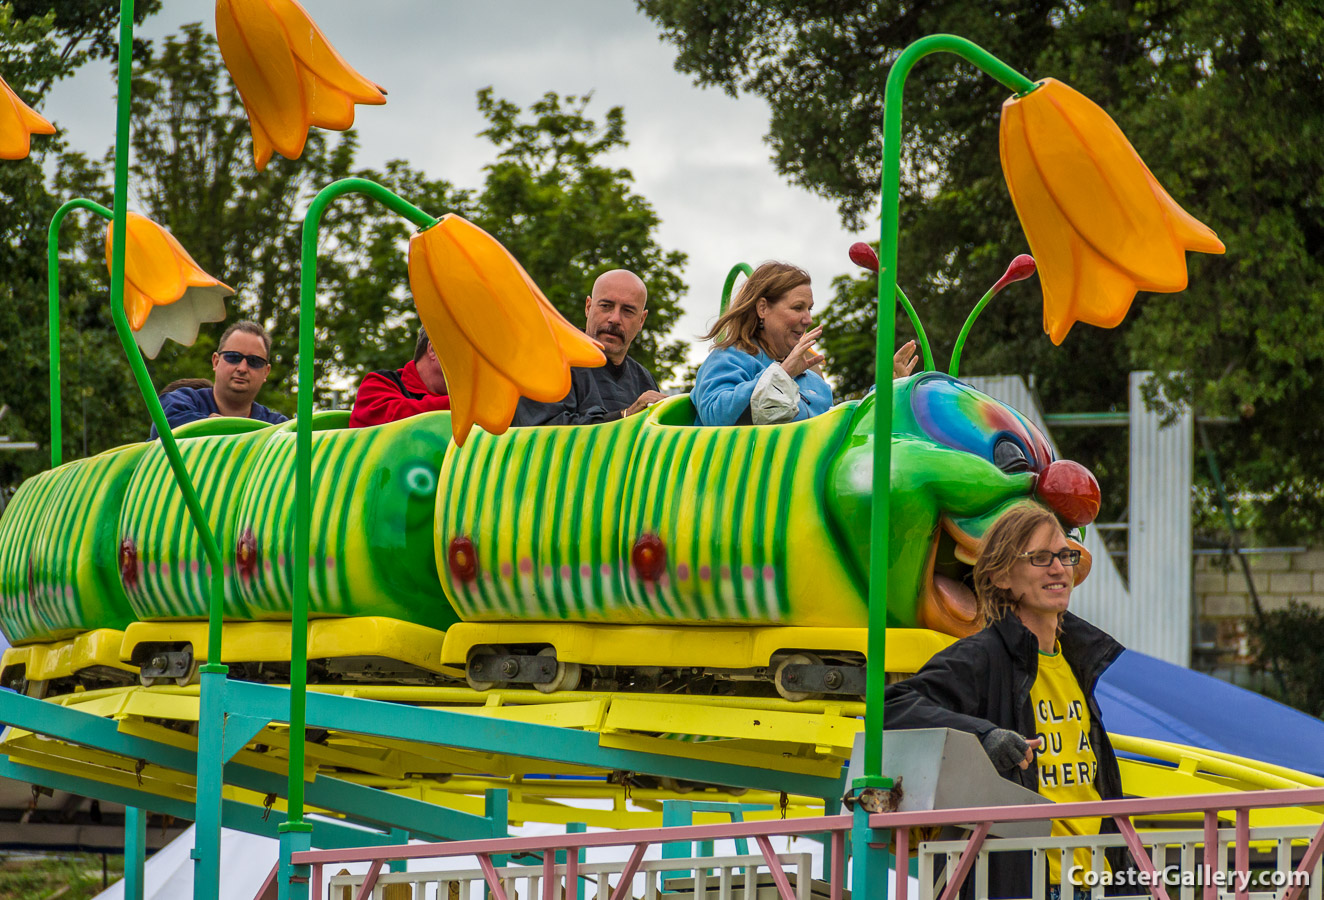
{"x":288,"y":74}
{"x":166,"y":293}
{"x":1099,"y":224}
{"x":18,"y":123}
{"x":497,"y":337}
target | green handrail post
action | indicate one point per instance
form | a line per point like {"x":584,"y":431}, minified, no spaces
{"x":303,"y":470}
{"x":737,"y":270}
{"x":53,"y":293}
{"x":882,"y":445}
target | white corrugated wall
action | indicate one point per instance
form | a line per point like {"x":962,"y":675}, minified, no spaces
{"x":1162,"y":459}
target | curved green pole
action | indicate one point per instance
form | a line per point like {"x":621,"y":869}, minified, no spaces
{"x":303,"y":465}
{"x":882,"y":445}
{"x":53,"y":290}
{"x":965,"y":331}
{"x":736,"y":271}
{"x":919,"y":330}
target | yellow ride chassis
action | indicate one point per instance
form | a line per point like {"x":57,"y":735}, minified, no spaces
{"x":446,"y":652}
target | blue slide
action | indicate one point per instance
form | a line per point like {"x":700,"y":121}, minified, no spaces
{"x":1146,"y":697}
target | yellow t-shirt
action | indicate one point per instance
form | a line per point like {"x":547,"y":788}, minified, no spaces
{"x":1067,"y":765}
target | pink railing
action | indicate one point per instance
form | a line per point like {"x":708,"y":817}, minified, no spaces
{"x":1121,"y":811}
{"x":979,"y":819}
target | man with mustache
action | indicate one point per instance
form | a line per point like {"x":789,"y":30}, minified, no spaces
{"x":615,"y":312}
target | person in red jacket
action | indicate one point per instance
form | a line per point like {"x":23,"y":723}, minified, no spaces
{"x":394,"y":394}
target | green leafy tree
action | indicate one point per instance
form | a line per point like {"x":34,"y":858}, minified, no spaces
{"x":41,"y":43}
{"x":1223,"y":100}
{"x":1292,"y":636}
{"x":547,"y":195}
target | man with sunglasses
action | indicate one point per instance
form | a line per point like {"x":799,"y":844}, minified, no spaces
{"x":241,"y":364}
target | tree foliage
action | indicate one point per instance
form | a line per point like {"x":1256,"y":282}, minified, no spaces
{"x":1292,"y":636}
{"x":1224,"y":101}
{"x":547,"y":195}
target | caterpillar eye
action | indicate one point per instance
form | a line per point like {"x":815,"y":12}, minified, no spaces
{"x":1009,"y":457}
{"x":420,"y":480}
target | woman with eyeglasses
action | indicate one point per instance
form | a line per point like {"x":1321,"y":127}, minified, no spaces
{"x":1024,"y":685}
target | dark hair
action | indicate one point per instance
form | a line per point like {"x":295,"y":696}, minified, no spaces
{"x":247,"y":326}
{"x":421,"y":345}
{"x":200,"y":384}
{"x":1003,"y":543}
{"x":739,"y":325}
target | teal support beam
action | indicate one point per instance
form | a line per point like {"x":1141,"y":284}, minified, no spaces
{"x":496,"y":806}
{"x":239,"y":730}
{"x":677,"y":814}
{"x":362,"y":805}
{"x":236,"y":815}
{"x":868,"y":864}
{"x":292,"y":881}
{"x":578,"y":890}
{"x":401,"y":837}
{"x":135,"y":851}
{"x":544,"y":742}
{"x":210,"y":768}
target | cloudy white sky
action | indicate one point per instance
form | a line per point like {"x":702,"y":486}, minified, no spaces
{"x":697,"y":155}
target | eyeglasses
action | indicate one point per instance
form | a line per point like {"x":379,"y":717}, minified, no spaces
{"x":234,"y":358}
{"x":1044,"y":558}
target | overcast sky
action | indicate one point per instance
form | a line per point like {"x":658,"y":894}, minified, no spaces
{"x":696,"y":154}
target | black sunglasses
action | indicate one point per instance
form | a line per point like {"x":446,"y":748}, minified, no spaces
{"x":234,"y":358}
{"x":1044,"y":558}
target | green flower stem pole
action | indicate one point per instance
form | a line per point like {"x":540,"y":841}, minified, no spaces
{"x":870,"y":867}
{"x":295,"y":831}
{"x":207,"y":847}
{"x":53,"y":290}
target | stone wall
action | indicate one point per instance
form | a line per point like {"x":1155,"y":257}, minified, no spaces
{"x":1222,"y":600}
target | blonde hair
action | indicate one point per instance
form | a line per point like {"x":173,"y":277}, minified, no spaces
{"x":739,"y":325}
{"x":1004,"y":542}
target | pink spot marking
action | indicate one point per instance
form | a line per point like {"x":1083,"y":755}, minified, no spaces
{"x":747,"y":571}
{"x":312,"y":562}
{"x":225,"y":570}
{"x":769,"y":573}
{"x":526,"y":566}
{"x":506,"y":570}
{"x":705,"y":572}
{"x":664,"y":580}
{"x":193,"y":566}
{"x":606,"y":570}
{"x":682,"y":572}
{"x":585,"y":571}
{"x":726,"y":571}
{"x":69,"y":592}
{"x":330,"y":562}
{"x":565,"y":573}
{"x":547,"y":572}
{"x":266,"y":565}
{"x":280,"y":560}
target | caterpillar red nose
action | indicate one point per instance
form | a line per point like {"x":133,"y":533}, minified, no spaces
{"x":1070,"y":491}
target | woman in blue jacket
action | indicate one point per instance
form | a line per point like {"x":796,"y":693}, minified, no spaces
{"x":764,"y":368}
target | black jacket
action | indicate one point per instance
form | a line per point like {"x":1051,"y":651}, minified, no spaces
{"x":983,"y":682}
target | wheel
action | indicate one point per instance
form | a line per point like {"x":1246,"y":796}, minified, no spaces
{"x":484,"y":650}
{"x":189,"y":677}
{"x":567,"y":675}
{"x":788,"y":692}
